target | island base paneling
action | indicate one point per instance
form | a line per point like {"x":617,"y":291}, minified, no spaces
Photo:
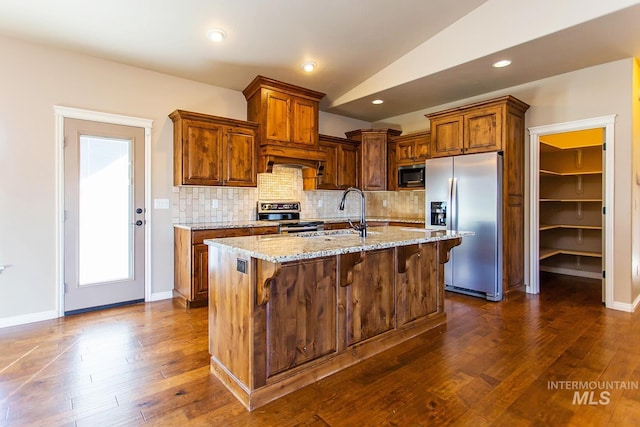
{"x":277,"y":327}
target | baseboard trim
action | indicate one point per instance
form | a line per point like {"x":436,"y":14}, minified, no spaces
{"x":623,"y":306}
{"x":158,"y":296}
{"x":28,"y":318}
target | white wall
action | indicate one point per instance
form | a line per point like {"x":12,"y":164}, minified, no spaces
{"x":32,"y":80}
{"x":592,"y":92}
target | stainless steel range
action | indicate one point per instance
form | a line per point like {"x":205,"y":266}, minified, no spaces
{"x":287,"y":215}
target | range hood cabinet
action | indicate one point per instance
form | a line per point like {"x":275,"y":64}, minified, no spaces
{"x":311,"y":161}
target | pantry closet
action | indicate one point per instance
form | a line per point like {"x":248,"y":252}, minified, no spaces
{"x":571,"y":202}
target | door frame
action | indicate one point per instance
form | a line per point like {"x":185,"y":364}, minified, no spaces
{"x":62,"y":113}
{"x":608,"y":123}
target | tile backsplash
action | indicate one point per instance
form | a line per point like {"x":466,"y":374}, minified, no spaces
{"x":214,"y":204}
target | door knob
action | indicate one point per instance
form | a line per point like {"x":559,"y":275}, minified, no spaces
{"x":139,"y":222}
{"x":139,"y":210}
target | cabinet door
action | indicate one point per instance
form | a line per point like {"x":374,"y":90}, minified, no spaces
{"x":240,"y":157}
{"x":370,"y":300}
{"x":301,"y":314}
{"x":278,"y":126}
{"x":446,"y":136}
{"x":347,"y":166}
{"x":392,"y":167}
{"x":374,"y":162}
{"x":329,"y":178}
{"x":423,"y":148}
{"x":304,"y":121}
{"x":405,"y":151}
{"x":483,"y":130}
{"x":417,"y":282}
{"x":200,"y":281}
{"x":201,"y":153}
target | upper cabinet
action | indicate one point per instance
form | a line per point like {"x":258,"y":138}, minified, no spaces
{"x":341,"y":166}
{"x":288,"y":114}
{"x":211,"y":150}
{"x":288,"y":118}
{"x":373,"y":156}
{"x":412,"y":148}
{"x":475,"y":128}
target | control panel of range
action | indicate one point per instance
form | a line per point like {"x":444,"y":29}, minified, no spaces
{"x":278,"y":207}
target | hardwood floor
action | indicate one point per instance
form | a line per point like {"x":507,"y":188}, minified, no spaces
{"x":492,"y":364}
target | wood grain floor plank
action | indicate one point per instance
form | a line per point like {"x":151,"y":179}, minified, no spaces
{"x":491,"y":364}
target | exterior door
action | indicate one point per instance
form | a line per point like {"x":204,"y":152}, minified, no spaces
{"x":104,"y":214}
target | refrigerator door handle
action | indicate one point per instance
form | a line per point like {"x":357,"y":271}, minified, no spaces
{"x":450,"y":207}
{"x":454,"y":204}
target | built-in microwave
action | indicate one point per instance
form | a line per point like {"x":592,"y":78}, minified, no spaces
{"x":411,"y":176}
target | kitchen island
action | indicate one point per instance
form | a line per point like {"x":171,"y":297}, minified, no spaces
{"x":287,"y":310}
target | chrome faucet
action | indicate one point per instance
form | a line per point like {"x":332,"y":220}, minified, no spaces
{"x":362,"y":228}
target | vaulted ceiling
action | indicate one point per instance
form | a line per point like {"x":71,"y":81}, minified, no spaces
{"x":413,"y":54}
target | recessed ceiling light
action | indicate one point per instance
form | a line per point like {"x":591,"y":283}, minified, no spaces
{"x":377,"y":101}
{"x":216,"y":35}
{"x":500,"y":64}
{"x":309,"y":66}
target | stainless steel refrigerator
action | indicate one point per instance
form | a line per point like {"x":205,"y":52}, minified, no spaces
{"x":465,"y":193}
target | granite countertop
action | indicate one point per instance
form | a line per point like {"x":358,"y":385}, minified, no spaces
{"x":195,"y":226}
{"x":255,"y":223}
{"x":315,"y":244}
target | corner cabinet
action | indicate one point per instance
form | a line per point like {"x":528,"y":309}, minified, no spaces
{"x":341,"y":166}
{"x":476,"y":128}
{"x":373,"y":156}
{"x":570,"y":207}
{"x":211,"y":150}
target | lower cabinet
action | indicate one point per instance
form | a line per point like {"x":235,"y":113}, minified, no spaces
{"x":369,"y":300}
{"x":191,"y":260}
{"x":417,"y":274}
{"x":301,"y":315}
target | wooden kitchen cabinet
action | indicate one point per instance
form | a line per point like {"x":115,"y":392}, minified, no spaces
{"x":341,"y":166}
{"x":368,"y":283}
{"x":191,"y":282}
{"x":211,"y":150}
{"x":476,"y":128}
{"x":418,"y":296}
{"x":406,"y":150}
{"x":373,"y":156}
{"x":298,"y":333}
{"x":288,"y":114}
{"x":412,"y":148}
{"x":277,"y":327}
